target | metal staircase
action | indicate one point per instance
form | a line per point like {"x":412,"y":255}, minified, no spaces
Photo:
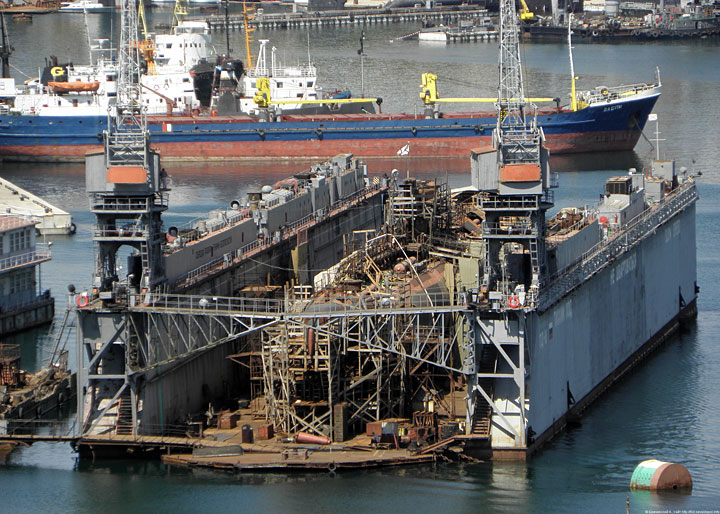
{"x":482,"y":418}
{"x":124,"y":422}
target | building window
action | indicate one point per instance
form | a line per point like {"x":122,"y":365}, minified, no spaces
{"x":21,"y":282}
{"x":19,"y":240}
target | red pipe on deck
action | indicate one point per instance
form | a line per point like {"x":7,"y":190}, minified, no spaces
{"x":305,"y":438}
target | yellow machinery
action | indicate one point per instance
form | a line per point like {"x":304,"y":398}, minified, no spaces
{"x":247,"y":16}
{"x":262,"y":96}
{"x":146,"y":46}
{"x":525,"y":13}
{"x":180,"y":11}
{"x":428,"y":93}
{"x":430,"y":96}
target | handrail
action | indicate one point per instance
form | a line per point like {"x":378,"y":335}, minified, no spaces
{"x":336,"y":305}
{"x":613,"y":92}
{"x":24,"y":258}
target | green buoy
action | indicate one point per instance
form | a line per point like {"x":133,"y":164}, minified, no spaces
{"x":657,"y":475}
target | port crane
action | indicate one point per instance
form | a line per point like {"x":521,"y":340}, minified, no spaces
{"x":526,"y":14}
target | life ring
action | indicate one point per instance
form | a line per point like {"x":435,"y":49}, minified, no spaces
{"x":156,"y":87}
{"x":166,"y":86}
{"x":73,"y":228}
{"x":513,"y":302}
{"x":595,"y":33}
{"x":57,"y":71}
{"x":604,"y":92}
{"x":82,"y":301}
{"x":331,"y":467}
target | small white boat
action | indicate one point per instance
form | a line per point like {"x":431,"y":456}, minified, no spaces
{"x":435,"y":34}
{"x":83,"y":6}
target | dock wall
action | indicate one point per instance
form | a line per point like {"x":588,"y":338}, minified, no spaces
{"x":32,"y":314}
{"x":318,"y":247}
{"x":586,"y":337}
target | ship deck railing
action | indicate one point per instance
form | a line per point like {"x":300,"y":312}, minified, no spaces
{"x":605,"y":94}
{"x":281,"y":72}
{"x":518,"y":202}
{"x":126,"y":231}
{"x":132,"y":204}
{"x":326,"y":306}
{"x":519,"y":228}
{"x":23,"y":259}
{"x":602,"y":254}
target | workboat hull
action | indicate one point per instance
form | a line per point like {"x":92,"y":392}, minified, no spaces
{"x":603,"y":127}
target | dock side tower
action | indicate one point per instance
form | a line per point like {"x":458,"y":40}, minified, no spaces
{"x":128,"y":194}
{"x":513,"y":182}
{"x":127,"y":187}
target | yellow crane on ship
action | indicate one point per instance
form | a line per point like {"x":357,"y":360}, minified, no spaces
{"x":179,"y":12}
{"x":525,"y":13}
{"x":430,"y":96}
{"x":147,"y":45}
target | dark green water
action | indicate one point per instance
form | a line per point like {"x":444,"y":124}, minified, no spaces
{"x":669,"y":408}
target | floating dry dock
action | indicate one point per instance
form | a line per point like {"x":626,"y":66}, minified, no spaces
{"x":461,"y":321}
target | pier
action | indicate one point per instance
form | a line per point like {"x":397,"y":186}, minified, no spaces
{"x":49,"y":219}
{"x":343,"y":18}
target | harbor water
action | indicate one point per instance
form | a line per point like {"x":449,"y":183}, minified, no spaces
{"x":668,"y":408}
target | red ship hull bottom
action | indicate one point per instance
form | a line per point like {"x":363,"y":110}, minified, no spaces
{"x":322,"y":149}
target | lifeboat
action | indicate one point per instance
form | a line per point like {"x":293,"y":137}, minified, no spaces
{"x":73,"y":87}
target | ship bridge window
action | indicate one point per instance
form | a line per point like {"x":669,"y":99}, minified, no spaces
{"x":310,"y":84}
{"x":169,"y":46}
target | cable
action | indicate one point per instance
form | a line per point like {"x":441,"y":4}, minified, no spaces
{"x":20,"y":71}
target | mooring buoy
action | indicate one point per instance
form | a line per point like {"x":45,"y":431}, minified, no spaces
{"x":657,"y":475}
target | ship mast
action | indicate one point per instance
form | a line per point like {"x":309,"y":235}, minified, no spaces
{"x":5,"y":50}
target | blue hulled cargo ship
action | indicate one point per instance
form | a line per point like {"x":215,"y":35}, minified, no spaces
{"x":604,"y":119}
